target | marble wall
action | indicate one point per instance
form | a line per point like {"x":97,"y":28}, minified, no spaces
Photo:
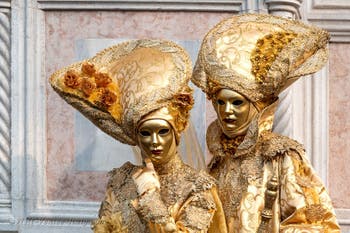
{"x":339,"y":124}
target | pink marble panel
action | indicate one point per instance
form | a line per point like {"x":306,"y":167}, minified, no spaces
{"x":339,"y":124}
{"x":63,"y":29}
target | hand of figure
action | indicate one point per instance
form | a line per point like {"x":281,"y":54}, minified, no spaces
{"x":146,"y":179}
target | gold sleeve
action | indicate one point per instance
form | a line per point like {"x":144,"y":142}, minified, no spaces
{"x":201,"y":213}
{"x":197,"y":213}
{"x":218,"y":223}
{"x":108,"y":220}
{"x":152,"y":209}
{"x":304,"y":202}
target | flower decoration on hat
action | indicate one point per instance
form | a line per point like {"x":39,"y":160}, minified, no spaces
{"x":122,"y":84}
{"x":95,"y":86}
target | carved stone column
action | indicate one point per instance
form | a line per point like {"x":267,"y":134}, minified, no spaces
{"x":284,"y":8}
{"x":5,"y":74}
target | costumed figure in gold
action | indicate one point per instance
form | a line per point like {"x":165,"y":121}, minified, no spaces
{"x":138,"y":93}
{"x":266,"y":183}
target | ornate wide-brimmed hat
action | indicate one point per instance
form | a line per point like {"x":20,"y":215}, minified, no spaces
{"x":124,"y":83}
{"x":258,"y":55}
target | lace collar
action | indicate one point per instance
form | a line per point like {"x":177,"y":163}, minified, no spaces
{"x":220,"y":146}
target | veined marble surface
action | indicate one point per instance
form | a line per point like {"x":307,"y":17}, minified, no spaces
{"x":339,"y":124}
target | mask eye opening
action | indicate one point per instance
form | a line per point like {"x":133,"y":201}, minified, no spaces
{"x":237,"y":102}
{"x":220,"y":102}
{"x":163,"y":131}
{"x":144,"y":133}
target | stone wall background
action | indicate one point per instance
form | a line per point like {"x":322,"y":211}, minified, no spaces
{"x":41,"y":187}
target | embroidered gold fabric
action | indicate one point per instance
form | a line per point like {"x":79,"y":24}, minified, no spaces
{"x":229,"y":145}
{"x":122,"y":83}
{"x":266,"y":51}
{"x":188,"y":197}
{"x":258,"y":55}
{"x":302,"y":203}
{"x":112,"y":223}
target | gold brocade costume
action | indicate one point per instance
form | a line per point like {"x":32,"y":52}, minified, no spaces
{"x":190,"y":199}
{"x":120,"y":88}
{"x":266,"y":183}
{"x":302,"y":203}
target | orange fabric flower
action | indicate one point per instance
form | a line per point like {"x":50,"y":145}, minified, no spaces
{"x":71,"y":79}
{"x":88,"y":68}
{"x":87,"y":86}
{"x":108,"y":98}
{"x":102,"y":79}
{"x":184,"y":99}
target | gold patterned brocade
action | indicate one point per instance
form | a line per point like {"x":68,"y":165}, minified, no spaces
{"x":186,"y":196}
{"x":302,"y":203}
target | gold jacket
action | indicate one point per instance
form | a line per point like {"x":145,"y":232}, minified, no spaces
{"x":189,"y":197}
{"x":243,"y":170}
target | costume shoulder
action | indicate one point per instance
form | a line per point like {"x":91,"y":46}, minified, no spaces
{"x":124,"y":190}
{"x":119,"y":177}
{"x":272,"y":144}
{"x":213,"y":139}
{"x":202,"y":180}
{"x":213,"y":142}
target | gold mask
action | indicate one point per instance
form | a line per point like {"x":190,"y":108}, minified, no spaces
{"x":234,"y":111}
{"x":156,"y":140}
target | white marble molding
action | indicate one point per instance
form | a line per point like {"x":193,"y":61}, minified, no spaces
{"x":286,"y":8}
{"x":332,"y":15}
{"x":5,"y":119}
{"x":234,"y":6}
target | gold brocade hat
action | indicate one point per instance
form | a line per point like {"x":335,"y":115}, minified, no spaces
{"x":124,"y":83}
{"x":258,"y":56}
